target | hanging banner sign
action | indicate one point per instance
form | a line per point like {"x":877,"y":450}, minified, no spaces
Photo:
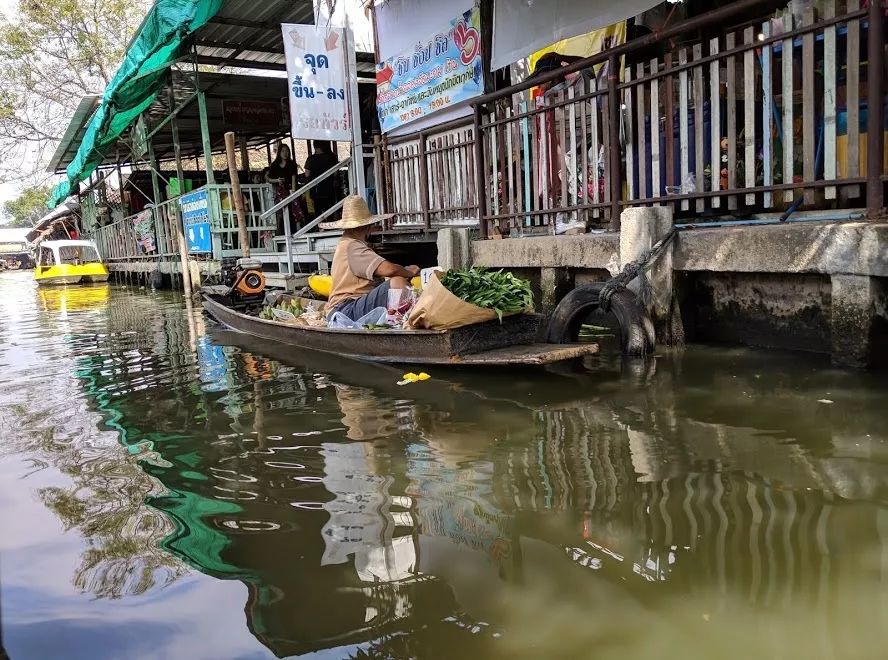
{"x":143,"y":223}
{"x":317,"y":74}
{"x":196,"y":218}
{"x":438,"y":73}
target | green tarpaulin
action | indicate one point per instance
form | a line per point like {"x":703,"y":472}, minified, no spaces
{"x":141,"y":75}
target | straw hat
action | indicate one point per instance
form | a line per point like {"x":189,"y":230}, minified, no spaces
{"x":355,"y":213}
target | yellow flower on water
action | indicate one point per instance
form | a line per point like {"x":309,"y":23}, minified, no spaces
{"x":411,"y":377}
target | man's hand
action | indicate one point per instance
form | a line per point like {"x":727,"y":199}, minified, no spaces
{"x":413,"y":270}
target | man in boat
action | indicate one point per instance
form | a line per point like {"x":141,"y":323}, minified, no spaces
{"x":359,"y":283}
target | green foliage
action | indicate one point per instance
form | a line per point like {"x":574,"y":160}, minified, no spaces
{"x":497,"y":290}
{"x":26,"y":209}
{"x":52,"y":53}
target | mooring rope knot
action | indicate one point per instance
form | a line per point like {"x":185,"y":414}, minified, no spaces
{"x":637,"y":268}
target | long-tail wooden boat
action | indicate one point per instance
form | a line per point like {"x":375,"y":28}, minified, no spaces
{"x":512,"y":342}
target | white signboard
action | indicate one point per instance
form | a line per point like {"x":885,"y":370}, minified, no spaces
{"x":317,"y":66}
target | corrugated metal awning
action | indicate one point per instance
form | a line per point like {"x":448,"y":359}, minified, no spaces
{"x":247,"y":34}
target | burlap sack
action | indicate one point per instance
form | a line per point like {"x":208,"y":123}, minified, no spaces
{"x":438,"y":309}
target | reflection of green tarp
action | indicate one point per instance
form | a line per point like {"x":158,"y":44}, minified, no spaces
{"x":195,"y":540}
{"x":136,"y":83}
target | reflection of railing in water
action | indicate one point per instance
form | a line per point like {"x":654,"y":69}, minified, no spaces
{"x":731,"y":531}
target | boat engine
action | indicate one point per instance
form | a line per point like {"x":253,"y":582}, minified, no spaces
{"x":244,"y":279}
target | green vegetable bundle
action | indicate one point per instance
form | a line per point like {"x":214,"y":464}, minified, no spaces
{"x":502,"y":292}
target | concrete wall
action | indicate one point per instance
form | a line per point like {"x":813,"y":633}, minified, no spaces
{"x":787,"y":311}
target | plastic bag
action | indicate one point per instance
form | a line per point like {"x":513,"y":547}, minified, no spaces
{"x":339,"y":321}
{"x":400,"y":302}
{"x":282,"y":314}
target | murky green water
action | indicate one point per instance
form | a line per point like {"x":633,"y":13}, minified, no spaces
{"x":171,"y":490}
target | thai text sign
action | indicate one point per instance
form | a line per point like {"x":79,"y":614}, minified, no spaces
{"x":439,"y":73}
{"x":196,"y":218}
{"x":252,"y":114}
{"x":316,"y":72}
{"x":143,"y":224}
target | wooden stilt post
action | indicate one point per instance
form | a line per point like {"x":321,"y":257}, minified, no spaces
{"x":245,"y":155}
{"x":236,"y":193}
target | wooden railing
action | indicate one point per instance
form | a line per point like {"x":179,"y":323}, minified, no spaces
{"x":775,"y":116}
{"x":430,"y":178}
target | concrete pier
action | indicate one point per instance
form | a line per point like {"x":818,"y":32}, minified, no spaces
{"x":810,"y":286}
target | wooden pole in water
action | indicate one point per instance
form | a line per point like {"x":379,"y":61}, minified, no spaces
{"x":236,"y":193}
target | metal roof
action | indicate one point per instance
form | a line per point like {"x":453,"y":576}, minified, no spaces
{"x":247,"y":33}
{"x":68,"y":208}
{"x":54,"y":245}
{"x":70,"y":141}
{"x":13,"y":234}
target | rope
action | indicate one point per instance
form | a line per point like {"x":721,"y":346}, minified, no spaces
{"x":637,"y":268}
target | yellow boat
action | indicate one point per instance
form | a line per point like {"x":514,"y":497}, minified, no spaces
{"x":69,"y":262}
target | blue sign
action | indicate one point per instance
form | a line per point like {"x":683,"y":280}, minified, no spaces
{"x":196,"y":218}
{"x":198,"y":237}
{"x":436,"y":74}
{"x":194,"y":207}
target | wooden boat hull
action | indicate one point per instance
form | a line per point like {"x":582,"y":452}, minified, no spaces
{"x":494,"y":343}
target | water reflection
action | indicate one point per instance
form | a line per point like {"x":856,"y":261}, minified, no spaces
{"x":506,"y":514}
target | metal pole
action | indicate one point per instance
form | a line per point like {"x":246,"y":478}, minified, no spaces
{"x":381,"y":203}
{"x":480,"y":186}
{"x":875,"y":145}
{"x":237,"y":196}
{"x":355,"y":111}
{"x":613,"y":128}
{"x":670,"y":137}
{"x":155,"y":190}
{"x":180,"y":227}
{"x":288,"y":239}
{"x":424,"y":184}
{"x":205,"y":137}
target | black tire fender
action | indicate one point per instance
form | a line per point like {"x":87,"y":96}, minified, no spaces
{"x":637,"y":337}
